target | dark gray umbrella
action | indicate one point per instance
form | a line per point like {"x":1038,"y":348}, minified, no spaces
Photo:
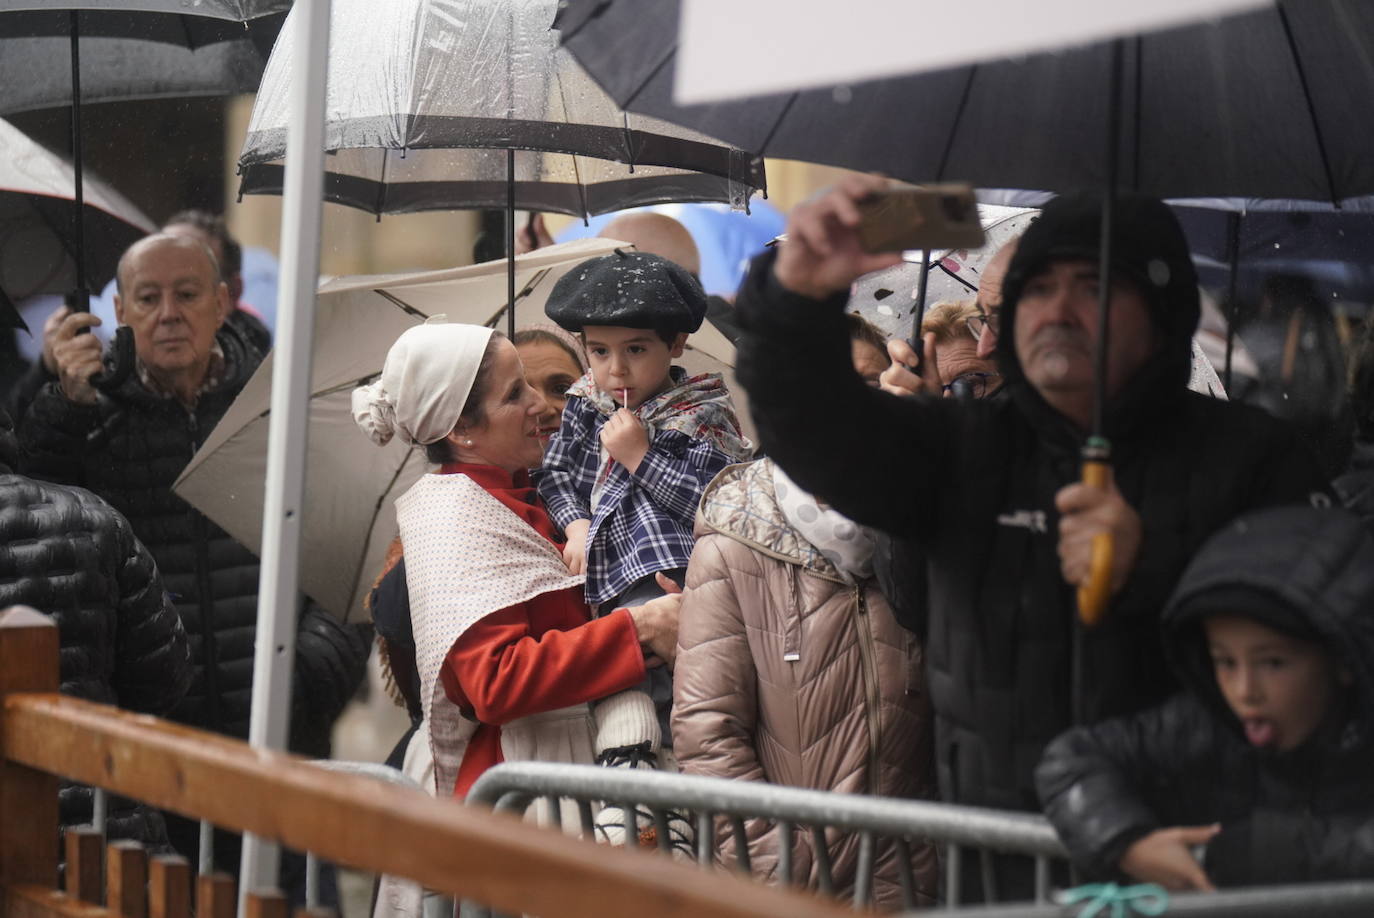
{"x":37,"y":251}
{"x":1273,"y":104}
{"x":35,"y":68}
{"x":139,"y":49}
{"x":472,"y":103}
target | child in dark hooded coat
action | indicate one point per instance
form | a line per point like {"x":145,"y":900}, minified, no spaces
{"x":1264,"y":765}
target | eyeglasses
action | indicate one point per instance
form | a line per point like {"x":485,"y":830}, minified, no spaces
{"x":970,"y":385}
{"x":984,"y":320}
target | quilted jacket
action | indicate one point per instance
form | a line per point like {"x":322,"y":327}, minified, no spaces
{"x":787,"y":673}
{"x":66,"y":553}
{"x":1299,"y":816}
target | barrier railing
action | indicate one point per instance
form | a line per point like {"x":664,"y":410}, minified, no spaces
{"x":514,"y":785}
{"x":350,"y":820}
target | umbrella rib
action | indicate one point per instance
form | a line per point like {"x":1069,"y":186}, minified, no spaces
{"x":954,"y":126}
{"x":371,"y":527}
{"x":401,"y":304}
{"x":524,"y":292}
{"x":777,"y":123}
{"x":941,"y":266}
{"x":1311,"y":109}
{"x":186,"y":30}
{"x":669,"y":55}
{"x":577,"y":166}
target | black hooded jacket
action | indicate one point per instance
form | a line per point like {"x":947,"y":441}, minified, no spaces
{"x":129,"y":448}
{"x":66,"y":553}
{"x":1303,"y":815}
{"x":970,"y":486}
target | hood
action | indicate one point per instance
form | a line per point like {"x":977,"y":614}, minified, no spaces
{"x":740,"y":504}
{"x":1149,"y":248}
{"x":1298,"y":569}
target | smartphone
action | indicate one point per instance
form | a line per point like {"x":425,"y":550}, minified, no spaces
{"x":928,"y":217}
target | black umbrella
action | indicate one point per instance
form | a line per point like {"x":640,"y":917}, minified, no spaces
{"x":128,"y":34}
{"x":474,"y":104}
{"x":1268,"y":104}
{"x":1260,"y":104}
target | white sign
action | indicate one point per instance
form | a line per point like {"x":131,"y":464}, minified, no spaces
{"x":729,"y":49}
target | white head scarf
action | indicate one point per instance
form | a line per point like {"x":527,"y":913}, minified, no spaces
{"x":425,"y":382}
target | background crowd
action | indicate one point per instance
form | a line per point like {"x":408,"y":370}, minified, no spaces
{"x":876,"y":597}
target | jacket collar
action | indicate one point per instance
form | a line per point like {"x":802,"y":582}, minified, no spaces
{"x":238,"y":361}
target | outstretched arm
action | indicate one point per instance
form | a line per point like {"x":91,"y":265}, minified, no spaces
{"x":843,"y":441}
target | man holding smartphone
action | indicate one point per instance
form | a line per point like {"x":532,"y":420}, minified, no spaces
{"x":986,"y":493}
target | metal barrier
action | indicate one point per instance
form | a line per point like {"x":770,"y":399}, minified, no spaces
{"x":1309,"y":900}
{"x":515,"y":785}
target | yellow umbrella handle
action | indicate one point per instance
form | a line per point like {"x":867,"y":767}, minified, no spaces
{"x":1097,"y":589}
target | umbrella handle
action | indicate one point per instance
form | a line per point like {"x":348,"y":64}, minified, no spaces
{"x":1094,"y":592}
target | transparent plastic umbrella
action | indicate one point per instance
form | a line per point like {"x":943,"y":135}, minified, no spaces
{"x":426,"y":98}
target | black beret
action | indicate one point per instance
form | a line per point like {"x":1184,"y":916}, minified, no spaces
{"x":629,"y":290}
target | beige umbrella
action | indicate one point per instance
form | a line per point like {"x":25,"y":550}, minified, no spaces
{"x":348,"y":521}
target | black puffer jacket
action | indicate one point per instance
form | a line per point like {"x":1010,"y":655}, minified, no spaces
{"x":1304,"y":815}
{"x":970,"y":487}
{"x":66,"y":553}
{"x":129,"y":449}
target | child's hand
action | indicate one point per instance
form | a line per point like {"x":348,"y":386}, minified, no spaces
{"x":625,"y":439}
{"x":575,"y":551}
{"x":1164,"y":857}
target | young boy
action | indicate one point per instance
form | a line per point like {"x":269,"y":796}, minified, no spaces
{"x":639,"y":441}
{"x":1260,"y":772}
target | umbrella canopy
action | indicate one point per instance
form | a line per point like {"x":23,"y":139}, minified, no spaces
{"x":1270,"y":104}
{"x":839,"y":43}
{"x":887,"y":298}
{"x":35,"y":72}
{"x":426,"y":97}
{"x":347,"y":521}
{"x":37,"y":252}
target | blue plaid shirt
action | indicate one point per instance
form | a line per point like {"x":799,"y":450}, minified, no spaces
{"x":643,"y":523}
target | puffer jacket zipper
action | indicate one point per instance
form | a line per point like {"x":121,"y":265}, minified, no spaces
{"x":868,"y":655}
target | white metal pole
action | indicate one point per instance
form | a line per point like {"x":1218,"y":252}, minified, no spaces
{"x":275,"y":647}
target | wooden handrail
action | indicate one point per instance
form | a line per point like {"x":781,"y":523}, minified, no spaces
{"x":360,"y":822}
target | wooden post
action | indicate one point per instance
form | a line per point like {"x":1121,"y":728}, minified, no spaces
{"x":28,"y":798}
{"x":267,"y":905}
{"x":169,"y":887}
{"x":85,"y":849}
{"x":215,"y":896}
{"x":126,"y":880}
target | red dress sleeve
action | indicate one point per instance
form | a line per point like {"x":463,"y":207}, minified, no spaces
{"x":509,"y":665}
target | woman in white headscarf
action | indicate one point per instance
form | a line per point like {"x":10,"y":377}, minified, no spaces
{"x":508,"y":657}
